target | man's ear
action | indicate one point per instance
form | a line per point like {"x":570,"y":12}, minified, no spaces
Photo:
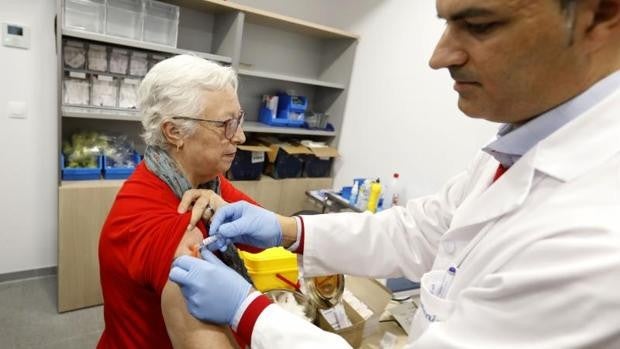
{"x":605,"y":20}
{"x":172,"y":134}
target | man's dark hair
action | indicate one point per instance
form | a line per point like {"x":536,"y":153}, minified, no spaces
{"x":565,"y":3}
{"x":568,"y":7}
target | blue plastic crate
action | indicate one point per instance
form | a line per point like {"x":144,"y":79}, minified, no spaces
{"x":111,"y":172}
{"x":267,"y":117}
{"x":79,"y":174}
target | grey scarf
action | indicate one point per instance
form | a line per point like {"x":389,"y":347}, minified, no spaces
{"x":161,"y":164}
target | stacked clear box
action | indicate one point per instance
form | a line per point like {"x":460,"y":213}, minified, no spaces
{"x":85,"y":15}
{"x":161,"y":23}
{"x":124,"y":18}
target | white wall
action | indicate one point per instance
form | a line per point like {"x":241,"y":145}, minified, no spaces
{"x":28,"y":180}
{"x":401,"y":115}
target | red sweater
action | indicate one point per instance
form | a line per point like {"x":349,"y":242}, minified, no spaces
{"x":136,"y":248}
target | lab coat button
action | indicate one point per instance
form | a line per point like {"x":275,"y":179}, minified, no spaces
{"x":449,"y":247}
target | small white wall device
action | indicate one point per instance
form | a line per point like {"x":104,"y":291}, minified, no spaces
{"x":15,"y":35}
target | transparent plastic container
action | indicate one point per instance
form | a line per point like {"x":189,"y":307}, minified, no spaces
{"x":161,"y":23}
{"x":119,"y":61}
{"x":97,"y":57}
{"x":76,"y":89}
{"x":138,"y":63}
{"x":104,"y":91}
{"x":124,"y":18}
{"x":85,"y":15}
{"x":128,"y":94}
{"x":74,"y":55}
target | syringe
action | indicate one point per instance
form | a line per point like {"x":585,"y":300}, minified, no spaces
{"x":208,"y":240}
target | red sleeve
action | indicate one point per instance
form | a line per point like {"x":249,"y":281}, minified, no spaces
{"x":143,"y":231}
{"x":302,"y":237}
{"x":249,"y":317}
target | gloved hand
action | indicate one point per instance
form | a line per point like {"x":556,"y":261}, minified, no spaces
{"x":213,"y":292}
{"x":244,"y":223}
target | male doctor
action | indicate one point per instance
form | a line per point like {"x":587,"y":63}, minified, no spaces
{"x":530,"y":233}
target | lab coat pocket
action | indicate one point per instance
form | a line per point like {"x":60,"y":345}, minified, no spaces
{"x":432,"y":307}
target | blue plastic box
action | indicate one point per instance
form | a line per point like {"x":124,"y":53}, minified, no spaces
{"x":287,"y":105}
{"x":111,"y":172}
{"x":79,"y":174}
{"x":267,"y":117}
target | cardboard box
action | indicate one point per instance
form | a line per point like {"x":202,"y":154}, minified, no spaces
{"x":248,"y":163}
{"x":353,"y":334}
{"x":319,"y":162}
{"x":286,"y":160}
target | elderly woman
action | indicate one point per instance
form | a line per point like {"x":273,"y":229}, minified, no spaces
{"x":192,"y":126}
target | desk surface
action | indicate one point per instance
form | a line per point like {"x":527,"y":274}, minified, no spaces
{"x":376,"y":297}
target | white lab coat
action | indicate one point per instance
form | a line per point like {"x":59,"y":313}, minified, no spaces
{"x":537,"y":252}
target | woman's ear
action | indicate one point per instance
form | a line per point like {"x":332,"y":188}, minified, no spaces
{"x":172,"y":134}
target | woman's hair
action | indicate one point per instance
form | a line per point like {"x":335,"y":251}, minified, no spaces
{"x":175,"y":87}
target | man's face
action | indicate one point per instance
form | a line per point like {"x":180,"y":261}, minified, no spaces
{"x":511,"y":59}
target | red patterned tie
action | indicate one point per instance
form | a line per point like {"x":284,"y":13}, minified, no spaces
{"x":500,"y":171}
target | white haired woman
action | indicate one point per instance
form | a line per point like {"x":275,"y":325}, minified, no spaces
{"x":192,"y":126}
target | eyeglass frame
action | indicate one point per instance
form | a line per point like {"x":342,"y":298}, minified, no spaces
{"x":224,"y":123}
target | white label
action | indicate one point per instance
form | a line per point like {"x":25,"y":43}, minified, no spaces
{"x":77,"y":75}
{"x":258,"y":156}
{"x":105,"y":78}
{"x":324,"y":158}
{"x":132,"y":81}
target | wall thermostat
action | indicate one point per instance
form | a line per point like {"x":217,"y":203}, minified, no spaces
{"x":15,"y":35}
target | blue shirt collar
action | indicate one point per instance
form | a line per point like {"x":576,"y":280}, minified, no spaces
{"x":514,"y":141}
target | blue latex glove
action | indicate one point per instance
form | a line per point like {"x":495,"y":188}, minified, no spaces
{"x":213,"y":292}
{"x":244,"y":223}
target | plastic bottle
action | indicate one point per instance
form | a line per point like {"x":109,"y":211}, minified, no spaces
{"x":354,"y":192}
{"x":375,"y":193}
{"x":394,"y":193}
{"x":362,"y":195}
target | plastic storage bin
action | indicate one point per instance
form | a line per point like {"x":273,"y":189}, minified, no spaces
{"x":98,"y":58}
{"x":161,"y":23}
{"x":124,"y":18}
{"x":85,"y":15}
{"x":74,"y":54}
{"x":111,"y":171}
{"x":104,"y":91}
{"x":79,"y":173}
{"x":75,"y":89}
{"x":290,"y":112}
{"x":138,"y":63}
{"x":269,"y":269}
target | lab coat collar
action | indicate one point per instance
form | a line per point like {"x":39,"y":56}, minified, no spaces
{"x":574,"y":149}
{"x":582,"y":144}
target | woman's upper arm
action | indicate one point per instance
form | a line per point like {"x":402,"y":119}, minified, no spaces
{"x":184,"y":330}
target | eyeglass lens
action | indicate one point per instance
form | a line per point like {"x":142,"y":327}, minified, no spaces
{"x":232,"y":125}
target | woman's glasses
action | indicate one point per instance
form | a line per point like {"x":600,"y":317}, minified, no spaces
{"x":230,"y":126}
